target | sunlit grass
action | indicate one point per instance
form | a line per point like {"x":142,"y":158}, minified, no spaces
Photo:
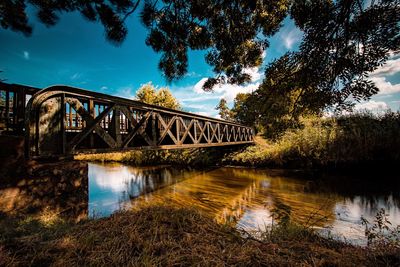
{"x":196,"y":157}
{"x":346,"y":140}
{"x":165,"y":235}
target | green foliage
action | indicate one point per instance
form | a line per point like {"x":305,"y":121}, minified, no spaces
{"x":165,"y":98}
{"x":196,"y":157}
{"x":223,"y":110}
{"x":112,"y":14}
{"x":347,"y":140}
{"x":343,"y":42}
{"x":162,"y":97}
{"x":233,"y":32}
{"x":243,"y":111}
{"x":381,"y":234}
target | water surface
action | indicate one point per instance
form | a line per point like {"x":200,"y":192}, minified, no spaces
{"x":251,"y":199}
{"x":248,"y":198}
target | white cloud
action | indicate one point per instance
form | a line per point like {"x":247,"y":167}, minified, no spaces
{"x":197,"y":106}
{"x":391,"y":67}
{"x":229,"y":91}
{"x":26,"y":55}
{"x":254,"y":73}
{"x":226,"y":91}
{"x":75,"y":76}
{"x":372,"y":105}
{"x":198,"y":87}
{"x":103,"y":88}
{"x":126,"y":92}
{"x":264,"y":54}
{"x":379,"y":76}
{"x":195,"y":98}
{"x":204,"y":113}
{"x":290,"y":36}
{"x":385,"y":87}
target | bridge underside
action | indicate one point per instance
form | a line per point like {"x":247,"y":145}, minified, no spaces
{"x":64,"y":121}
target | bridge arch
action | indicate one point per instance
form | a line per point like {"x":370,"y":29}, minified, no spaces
{"x":63,"y":120}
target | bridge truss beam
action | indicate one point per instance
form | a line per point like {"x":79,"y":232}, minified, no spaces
{"x":62,"y":121}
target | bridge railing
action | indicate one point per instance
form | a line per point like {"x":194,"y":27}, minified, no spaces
{"x":63,"y":120}
{"x":13,"y":100}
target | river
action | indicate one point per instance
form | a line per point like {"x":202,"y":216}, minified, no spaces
{"x":251,"y":199}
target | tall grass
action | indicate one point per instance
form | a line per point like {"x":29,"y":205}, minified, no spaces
{"x":168,"y":236}
{"x":348,"y":140}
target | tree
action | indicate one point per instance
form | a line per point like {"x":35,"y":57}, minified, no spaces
{"x":112,"y":14}
{"x":147,"y":94}
{"x":343,"y":42}
{"x":233,"y":32}
{"x":163,"y":97}
{"x":223,"y":110}
{"x":243,"y":110}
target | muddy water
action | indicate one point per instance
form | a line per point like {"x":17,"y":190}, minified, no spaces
{"x":250,"y":199}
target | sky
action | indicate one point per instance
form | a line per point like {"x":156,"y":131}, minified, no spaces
{"x":76,"y":53}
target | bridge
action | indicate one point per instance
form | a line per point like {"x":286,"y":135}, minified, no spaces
{"x":63,"y":121}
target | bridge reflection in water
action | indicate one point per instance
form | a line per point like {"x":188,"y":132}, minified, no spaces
{"x":250,"y":199}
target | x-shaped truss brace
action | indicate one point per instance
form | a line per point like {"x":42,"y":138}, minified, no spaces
{"x":91,"y":124}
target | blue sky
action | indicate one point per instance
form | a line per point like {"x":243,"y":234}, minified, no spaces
{"x":75,"y":53}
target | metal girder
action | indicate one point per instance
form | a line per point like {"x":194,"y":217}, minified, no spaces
{"x":94,"y":122}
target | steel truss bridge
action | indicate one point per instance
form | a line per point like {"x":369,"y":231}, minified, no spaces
{"x":64,"y":121}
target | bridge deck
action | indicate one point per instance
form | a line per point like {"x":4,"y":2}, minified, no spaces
{"x":63,"y":121}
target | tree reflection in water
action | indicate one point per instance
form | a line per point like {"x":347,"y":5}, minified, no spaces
{"x":251,"y":199}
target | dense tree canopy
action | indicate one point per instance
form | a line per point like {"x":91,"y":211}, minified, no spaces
{"x":161,"y":97}
{"x":234,"y":33}
{"x":343,"y":42}
{"x":112,"y":14}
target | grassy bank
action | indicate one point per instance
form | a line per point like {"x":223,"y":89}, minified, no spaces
{"x":167,"y":236}
{"x":197,"y":157}
{"x":355,"y":140}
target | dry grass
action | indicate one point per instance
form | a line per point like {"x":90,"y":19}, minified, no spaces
{"x":195,"y":157}
{"x":167,"y":236}
{"x":354,"y":140}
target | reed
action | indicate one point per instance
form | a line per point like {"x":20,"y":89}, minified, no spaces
{"x":355,"y":139}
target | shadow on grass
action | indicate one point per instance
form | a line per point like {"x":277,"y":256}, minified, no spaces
{"x":164,"y":235}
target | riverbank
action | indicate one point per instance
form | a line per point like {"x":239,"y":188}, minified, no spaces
{"x":164,"y":235}
{"x":354,"y":142}
{"x":361,"y":141}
